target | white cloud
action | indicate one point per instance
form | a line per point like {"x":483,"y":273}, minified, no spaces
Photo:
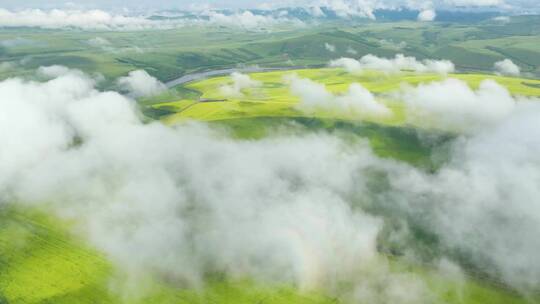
{"x":92,"y":19}
{"x":185,"y":201}
{"x":343,"y":7}
{"x":103,"y":20}
{"x":366,"y":8}
{"x":55,"y":71}
{"x":316,"y":11}
{"x":139,"y":83}
{"x":312,"y":94}
{"x":182,"y":202}
{"x":352,"y":51}
{"x":427,"y":15}
{"x":453,"y":105}
{"x":349,"y":64}
{"x":247,"y":20}
{"x":502,"y":19}
{"x":492,"y":178}
{"x":348,"y":9}
{"x":399,"y":63}
{"x":330,"y":47}
{"x":361,"y":100}
{"x":240,"y":82}
{"x":475,"y":2}
{"x":507,"y":67}
{"x":315,"y":96}
{"x":99,"y":42}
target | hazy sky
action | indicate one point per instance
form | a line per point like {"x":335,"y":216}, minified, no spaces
{"x":190,"y":4}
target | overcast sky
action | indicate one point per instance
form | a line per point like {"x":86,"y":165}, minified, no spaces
{"x":190,"y":4}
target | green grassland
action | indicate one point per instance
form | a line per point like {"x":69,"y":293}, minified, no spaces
{"x":40,"y":262}
{"x":271,"y":107}
{"x":168,"y":54}
{"x":273,"y":98}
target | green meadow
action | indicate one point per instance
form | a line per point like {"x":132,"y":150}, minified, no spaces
{"x":204,"y":100}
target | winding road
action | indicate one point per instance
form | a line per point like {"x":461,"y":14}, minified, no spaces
{"x":202,"y":75}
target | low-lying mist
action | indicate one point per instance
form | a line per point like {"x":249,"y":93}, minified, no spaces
{"x":313,"y":209}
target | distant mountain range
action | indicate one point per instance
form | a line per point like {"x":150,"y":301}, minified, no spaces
{"x":305,"y":14}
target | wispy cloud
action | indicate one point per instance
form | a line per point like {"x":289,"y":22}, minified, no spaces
{"x":330,"y":47}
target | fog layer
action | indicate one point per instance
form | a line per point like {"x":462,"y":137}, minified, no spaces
{"x":190,"y":200}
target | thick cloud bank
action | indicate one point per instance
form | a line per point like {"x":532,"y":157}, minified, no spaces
{"x":453,"y":105}
{"x":394,"y":65}
{"x":103,"y":20}
{"x":486,"y":201}
{"x":188,"y":201}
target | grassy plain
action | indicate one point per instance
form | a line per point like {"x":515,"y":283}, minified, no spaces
{"x":274,"y":99}
{"x":265,"y":109}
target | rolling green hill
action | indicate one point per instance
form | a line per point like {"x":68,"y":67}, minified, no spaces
{"x":168,"y":54}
